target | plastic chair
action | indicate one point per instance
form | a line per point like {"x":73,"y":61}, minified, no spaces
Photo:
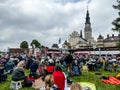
{"x":15,"y":85}
{"x":97,"y":75}
{"x":85,"y":70}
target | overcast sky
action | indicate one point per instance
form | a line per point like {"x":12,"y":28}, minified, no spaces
{"x":49,"y":20}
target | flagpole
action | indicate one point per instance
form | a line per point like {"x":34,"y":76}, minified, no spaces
{"x":99,"y":52}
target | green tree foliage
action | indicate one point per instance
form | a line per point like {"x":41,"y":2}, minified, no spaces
{"x":42,"y":46}
{"x":116,"y":22}
{"x":24,"y":44}
{"x":35,"y":44}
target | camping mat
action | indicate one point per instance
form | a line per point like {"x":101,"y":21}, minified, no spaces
{"x":111,"y":80}
{"x":88,"y":84}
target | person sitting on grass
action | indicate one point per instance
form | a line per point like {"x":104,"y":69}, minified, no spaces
{"x":50,"y":67}
{"x":49,"y":83}
{"x":19,"y":74}
{"x":33,"y":70}
{"x":41,"y":69}
{"x":3,"y":76}
{"x":10,"y":66}
{"x":75,"y":86}
{"x":59,"y":77}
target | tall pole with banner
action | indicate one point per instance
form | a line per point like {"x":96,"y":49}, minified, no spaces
{"x":99,"y":52}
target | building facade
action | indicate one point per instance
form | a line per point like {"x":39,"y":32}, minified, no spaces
{"x":108,"y":42}
{"x":77,"y":41}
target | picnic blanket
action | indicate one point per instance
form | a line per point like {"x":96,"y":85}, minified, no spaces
{"x":88,"y":84}
{"x":118,"y":75}
{"x":111,"y":80}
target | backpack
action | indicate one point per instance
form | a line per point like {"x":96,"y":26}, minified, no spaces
{"x":105,"y":77}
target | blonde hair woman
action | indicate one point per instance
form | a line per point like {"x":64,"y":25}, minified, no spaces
{"x":49,"y":83}
{"x":75,"y":86}
{"x":21,"y":64}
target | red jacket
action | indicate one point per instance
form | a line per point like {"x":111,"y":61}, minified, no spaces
{"x":59,"y":79}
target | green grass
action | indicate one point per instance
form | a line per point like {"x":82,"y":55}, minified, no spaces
{"x":86,"y":77}
{"x":99,"y":85}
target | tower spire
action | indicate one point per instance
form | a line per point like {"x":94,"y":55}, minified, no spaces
{"x":87,"y":17}
{"x":87,"y":7}
{"x":88,"y":29}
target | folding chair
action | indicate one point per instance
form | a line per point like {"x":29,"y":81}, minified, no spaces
{"x":85,"y":70}
{"x":15,"y":85}
{"x":97,"y":75}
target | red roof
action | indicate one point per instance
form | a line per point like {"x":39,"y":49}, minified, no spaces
{"x":18,"y":50}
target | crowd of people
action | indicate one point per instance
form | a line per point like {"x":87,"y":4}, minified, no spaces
{"x":52,"y":72}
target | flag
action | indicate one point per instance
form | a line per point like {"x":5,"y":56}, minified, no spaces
{"x":99,"y":52}
{"x":59,"y":41}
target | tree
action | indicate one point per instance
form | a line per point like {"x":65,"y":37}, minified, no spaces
{"x":24,"y":44}
{"x":35,"y":44}
{"x":116,"y":22}
{"x":42,"y":46}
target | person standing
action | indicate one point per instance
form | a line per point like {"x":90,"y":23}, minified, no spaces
{"x":68,"y":61}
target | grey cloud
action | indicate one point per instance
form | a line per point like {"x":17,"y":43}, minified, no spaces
{"x":66,"y":1}
{"x":3,"y":1}
{"x":13,"y":17}
{"x":46,"y":20}
{"x":101,"y":22}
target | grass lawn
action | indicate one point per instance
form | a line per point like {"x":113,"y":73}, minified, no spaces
{"x":86,"y":77}
{"x":99,"y":85}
